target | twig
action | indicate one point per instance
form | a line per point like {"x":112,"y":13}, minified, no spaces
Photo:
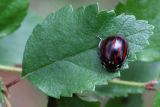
{"x":6,"y":101}
{"x":11,"y":69}
{"x":5,"y":94}
{"x":151,"y":86}
{"x":12,"y":83}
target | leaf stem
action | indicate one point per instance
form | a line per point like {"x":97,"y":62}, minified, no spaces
{"x":150,"y":86}
{"x":128,"y":83}
{"x":10,"y":69}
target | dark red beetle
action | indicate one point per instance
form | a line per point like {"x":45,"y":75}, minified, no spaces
{"x":113,"y":52}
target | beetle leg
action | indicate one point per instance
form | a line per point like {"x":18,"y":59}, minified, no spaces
{"x":100,"y":40}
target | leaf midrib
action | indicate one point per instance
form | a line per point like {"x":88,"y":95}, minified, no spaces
{"x":66,"y":57}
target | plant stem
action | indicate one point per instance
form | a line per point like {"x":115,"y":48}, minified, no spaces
{"x":10,"y":69}
{"x":5,"y":96}
{"x":128,"y":83}
{"x":6,"y":101}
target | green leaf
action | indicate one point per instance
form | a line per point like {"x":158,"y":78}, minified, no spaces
{"x":157,"y":86}
{"x":75,"y":102}
{"x":131,"y":101}
{"x":1,"y":95}
{"x":61,"y":55}
{"x":123,"y":1}
{"x":117,"y":90}
{"x":12,"y":47}
{"x":141,"y":72}
{"x":156,"y":102}
{"x":12,"y":12}
{"x":69,"y":59}
{"x":145,"y":10}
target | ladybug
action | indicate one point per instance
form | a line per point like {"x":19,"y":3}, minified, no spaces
{"x":113,"y":52}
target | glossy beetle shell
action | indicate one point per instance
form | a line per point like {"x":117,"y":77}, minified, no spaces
{"x":113,"y":52}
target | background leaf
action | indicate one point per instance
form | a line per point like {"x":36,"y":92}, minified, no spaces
{"x":141,"y":72}
{"x":1,"y":95}
{"x":12,"y":47}
{"x":156,"y":102}
{"x":145,"y":10}
{"x":61,"y":55}
{"x":75,"y":102}
{"x":12,"y":12}
{"x":122,"y":1}
{"x":131,"y":101}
